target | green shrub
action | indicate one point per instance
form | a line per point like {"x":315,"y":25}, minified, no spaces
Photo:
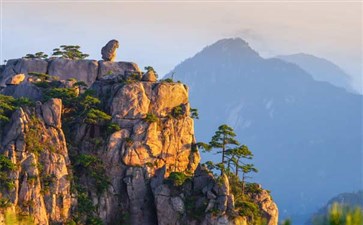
{"x":248,"y":209}
{"x":194,"y":113}
{"x":113,"y":127}
{"x":6,"y":164}
{"x":178,"y":178}
{"x":151,"y":118}
{"x":68,"y":95}
{"x":177,"y":112}
{"x":167,"y":80}
{"x":96,"y":117}
{"x":93,"y":167}
{"x":9,"y":104}
{"x":38,"y":55}
{"x":69,"y":52}
{"x":33,"y":140}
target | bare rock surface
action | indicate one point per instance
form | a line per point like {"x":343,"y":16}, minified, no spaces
{"x":84,"y":70}
{"x":41,"y":187}
{"x":120,"y":68}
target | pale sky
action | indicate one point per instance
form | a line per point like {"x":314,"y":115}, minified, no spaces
{"x":162,"y":34}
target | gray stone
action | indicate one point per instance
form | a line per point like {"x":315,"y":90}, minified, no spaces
{"x":82,"y":70}
{"x":24,"y":89}
{"x":119,"y":68}
{"x":178,"y":204}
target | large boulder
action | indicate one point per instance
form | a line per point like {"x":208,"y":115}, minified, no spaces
{"x":24,"y":89}
{"x":109,"y":50}
{"x":120,"y":68}
{"x":130,"y":102}
{"x":167,"y":96}
{"x":149,"y":76}
{"x":22,"y":66}
{"x":52,"y":111}
{"x":16,"y":79}
{"x":84,"y":70}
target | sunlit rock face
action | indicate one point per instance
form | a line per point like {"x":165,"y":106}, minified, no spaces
{"x":167,"y":139}
{"x":154,"y":139}
{"x":35,"y":143}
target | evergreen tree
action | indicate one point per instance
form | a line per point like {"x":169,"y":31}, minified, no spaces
{"x":223,"y":139}
{"x":69,"y":52}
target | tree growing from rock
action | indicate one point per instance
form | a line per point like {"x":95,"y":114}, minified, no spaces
{"x":69,"y":52}
{"x":38,"y":55}
{"x":222,"y":141}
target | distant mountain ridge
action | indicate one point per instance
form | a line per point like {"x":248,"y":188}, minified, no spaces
{"x":353,"y":200}
{"x":299,"y":129}
{"x":321,"y":69}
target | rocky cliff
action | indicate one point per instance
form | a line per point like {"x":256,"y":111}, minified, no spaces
{"x":131,"y":160}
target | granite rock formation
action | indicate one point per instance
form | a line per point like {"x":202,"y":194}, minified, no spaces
{"x":70,"y":171}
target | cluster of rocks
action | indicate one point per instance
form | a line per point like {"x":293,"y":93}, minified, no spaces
{"x":16,"y":76}
{"x":138,"y":157}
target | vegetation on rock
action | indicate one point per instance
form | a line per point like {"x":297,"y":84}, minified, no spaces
{"x":38,"y":55}
{"x":69,"y":52}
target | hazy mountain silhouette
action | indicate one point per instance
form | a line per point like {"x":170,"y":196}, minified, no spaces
{"x":321,"y":69}
{"x":305,"y":134}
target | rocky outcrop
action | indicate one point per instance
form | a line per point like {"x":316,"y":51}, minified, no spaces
{"x":151,"y":134}
{"x":22,"y":66}
{"x":267,"y":205}
{"x":84,"y":70}
{"x":109,"y":50}
{"x":124,"y":176}
{"x":120,"y":68}
{"x":201,"y":199}
{"x":39,"y":186}
{"x":150,"y":76}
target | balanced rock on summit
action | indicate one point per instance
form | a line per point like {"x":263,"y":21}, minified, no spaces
{"x":109,"y":50}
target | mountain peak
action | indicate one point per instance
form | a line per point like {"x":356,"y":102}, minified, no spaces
{"x":229,"y":49}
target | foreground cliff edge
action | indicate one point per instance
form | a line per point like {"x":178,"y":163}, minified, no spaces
{"x":122,"y":151}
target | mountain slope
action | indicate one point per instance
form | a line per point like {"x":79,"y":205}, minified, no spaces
{"x":321,"y":69}
{"x":305,"y":134}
